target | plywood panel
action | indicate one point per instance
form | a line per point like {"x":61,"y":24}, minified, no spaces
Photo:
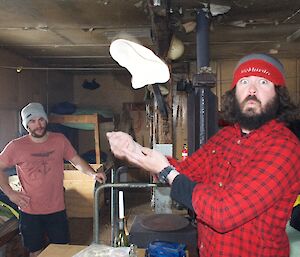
{"x":180,"y":122}
{"x":290,"y":66}
{"x":79,"y":194}
{"x":9,"y":87}
{"x":8,"y":126}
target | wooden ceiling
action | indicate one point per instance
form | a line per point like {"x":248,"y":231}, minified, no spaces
{"x":75,"y":35}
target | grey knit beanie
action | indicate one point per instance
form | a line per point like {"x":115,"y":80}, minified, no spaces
{"x":31,"y":111}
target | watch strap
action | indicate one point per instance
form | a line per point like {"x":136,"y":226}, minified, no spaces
{"x":163,"y":174}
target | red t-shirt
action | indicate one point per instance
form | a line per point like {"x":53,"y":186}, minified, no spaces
{"x":40,"y":169}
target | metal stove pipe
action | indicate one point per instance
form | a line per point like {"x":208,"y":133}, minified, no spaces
{"x":202,"y":40}
{"x":198,"y":96}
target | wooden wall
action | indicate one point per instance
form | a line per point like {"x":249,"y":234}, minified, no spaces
{"x":115,"y":90}
{"x":18,"y":89}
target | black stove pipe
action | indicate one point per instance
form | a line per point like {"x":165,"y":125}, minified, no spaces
{"x":202,"y":40}
{"x":201,"y":101}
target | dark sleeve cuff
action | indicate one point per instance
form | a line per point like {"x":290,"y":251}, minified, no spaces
{"x":182,"y":190}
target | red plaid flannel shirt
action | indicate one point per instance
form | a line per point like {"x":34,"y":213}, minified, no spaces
{"x":246,"y":187}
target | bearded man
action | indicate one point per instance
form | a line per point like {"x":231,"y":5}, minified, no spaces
{"x":243,"y":182}
{"x":39,"y":160}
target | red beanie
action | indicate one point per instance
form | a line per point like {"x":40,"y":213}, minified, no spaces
{"x":260,"y":65}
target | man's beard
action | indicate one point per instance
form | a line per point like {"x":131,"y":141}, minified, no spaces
{"x":250,"y":120}
{"x":34,"y":134}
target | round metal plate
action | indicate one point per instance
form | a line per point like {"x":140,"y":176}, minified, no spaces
{"x":164,"y":222}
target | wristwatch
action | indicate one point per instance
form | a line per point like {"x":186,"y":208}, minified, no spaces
{"x":162,"y":176}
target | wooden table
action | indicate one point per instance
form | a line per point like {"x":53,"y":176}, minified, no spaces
{"x":56,"y":250}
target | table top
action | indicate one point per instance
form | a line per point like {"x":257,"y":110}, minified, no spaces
{"x":55,"y":250}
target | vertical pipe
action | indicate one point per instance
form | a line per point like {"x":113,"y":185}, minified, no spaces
{"x":202,"y":112}
{"x":202,"y":40}
{"x":115,"y":178}
{"x":112,"y":206}
{"x":200,"y":115}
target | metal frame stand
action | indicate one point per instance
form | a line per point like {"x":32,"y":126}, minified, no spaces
{"x":96,"y":202}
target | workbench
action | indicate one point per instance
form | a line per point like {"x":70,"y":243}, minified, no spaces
{"x":55,"y":250}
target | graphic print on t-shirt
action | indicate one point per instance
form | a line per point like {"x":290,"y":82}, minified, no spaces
{"x":42,"y":161}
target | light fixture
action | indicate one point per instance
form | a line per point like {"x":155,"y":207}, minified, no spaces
{"x":176,"y":49}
